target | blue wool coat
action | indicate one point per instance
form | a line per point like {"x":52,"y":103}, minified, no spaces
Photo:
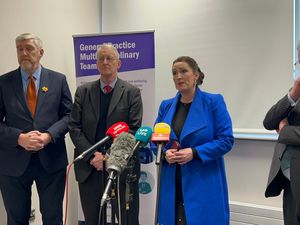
{"x":208,"y":129}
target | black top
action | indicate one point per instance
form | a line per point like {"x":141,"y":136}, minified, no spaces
{"x":179,"y":118}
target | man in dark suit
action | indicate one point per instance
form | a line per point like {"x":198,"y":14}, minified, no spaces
{"x":284,"y":117}
{"x":96,"y":108}
{"x":35,"y":104}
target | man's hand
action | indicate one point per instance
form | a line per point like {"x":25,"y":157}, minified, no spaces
{"x":295,"y":92}
{"x":34,"y":140}
{"x":31,"y":141}
{"x":282,"y":124}
{"x":45,"y":138}
{"x":97,"y":161}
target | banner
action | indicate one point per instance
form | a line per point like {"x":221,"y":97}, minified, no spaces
{"x":138,"y":68}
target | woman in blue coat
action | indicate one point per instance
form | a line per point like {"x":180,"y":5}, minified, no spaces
{"x":193,"y":182}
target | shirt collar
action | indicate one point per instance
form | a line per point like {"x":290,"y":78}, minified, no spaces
{"x":36,"y":74}
{"x":112,"y":84}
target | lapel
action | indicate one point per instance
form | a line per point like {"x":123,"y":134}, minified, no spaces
{"x":95,"y":98}
{"x":16,"y":81}
{"x":116,"y":96}
{"x":196,"y":118}
{"x":45,"y":81}
{"x":169,"y":116}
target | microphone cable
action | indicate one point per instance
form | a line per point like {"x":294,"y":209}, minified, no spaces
{"x":67,"y":192}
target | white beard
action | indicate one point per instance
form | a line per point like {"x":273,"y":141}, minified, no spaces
{"x":26,"y":65}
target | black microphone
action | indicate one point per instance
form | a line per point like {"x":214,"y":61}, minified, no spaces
{"x":120,"y":153}
{"x":111,"y":133}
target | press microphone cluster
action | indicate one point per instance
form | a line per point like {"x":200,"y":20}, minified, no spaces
{"x":111,"y":133}
{"x":160,"y":136}
{"x":125,"y":145}
{"x":121,"y":151}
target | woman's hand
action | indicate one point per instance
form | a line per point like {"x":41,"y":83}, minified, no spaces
{"x":170,"y":155}
{"x":183,"y":156}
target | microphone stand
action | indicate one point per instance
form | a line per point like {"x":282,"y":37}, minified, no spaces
{"x":127,"y":207}
{"x":112,"y":198}
{"x":158,"y":162}
{"x":130,"y":179}
{"x":102,"y":212}
{"x":113,"y":206}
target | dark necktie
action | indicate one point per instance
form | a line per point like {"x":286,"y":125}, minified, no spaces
{"x":107,"y":89}
{"x":31,"y":95}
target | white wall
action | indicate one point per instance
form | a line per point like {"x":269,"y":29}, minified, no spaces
{"x":243,"y":47}
{"x":247,"y":168}
{"x":55,"y":22}
{"x":245,"y":50}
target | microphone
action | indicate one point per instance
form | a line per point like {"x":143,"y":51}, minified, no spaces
{"x":111,"y":133}
{"x":142,"y":137}
{"x":120,"y":152}
{"x":160,"y":136}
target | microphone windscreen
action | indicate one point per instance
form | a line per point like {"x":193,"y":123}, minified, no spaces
{"x":161,"y":132}
{"x":162,"y":128}
{"x":143,"y":134}
{"x":117,"y":129}
{"x":121,"y":151}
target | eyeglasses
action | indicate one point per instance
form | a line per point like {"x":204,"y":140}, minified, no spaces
{"x":107,"y":58}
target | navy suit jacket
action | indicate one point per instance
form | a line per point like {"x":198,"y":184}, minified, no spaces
{"x":54,"y":104}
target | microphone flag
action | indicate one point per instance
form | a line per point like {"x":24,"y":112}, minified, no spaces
{"x":160,"y":136}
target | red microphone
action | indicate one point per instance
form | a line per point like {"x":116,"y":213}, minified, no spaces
{"x":111,"y":133}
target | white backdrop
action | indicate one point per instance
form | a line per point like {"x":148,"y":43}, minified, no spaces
{"x":245,"y":48}
{"x":56,"y":21}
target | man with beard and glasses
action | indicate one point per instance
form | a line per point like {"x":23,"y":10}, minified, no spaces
{"x":35,"y":104}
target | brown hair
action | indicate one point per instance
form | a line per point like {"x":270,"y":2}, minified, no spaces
{"x":193,"y":64}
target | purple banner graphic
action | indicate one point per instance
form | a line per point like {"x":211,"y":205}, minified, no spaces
{"x":136,"y":51}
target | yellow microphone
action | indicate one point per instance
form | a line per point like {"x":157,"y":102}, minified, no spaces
{"x":160,"y":136}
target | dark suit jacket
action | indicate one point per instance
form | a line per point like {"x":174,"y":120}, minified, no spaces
{"x":52,"y":114}
{"x":289,"y":135}
{"x":125,"y":106}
